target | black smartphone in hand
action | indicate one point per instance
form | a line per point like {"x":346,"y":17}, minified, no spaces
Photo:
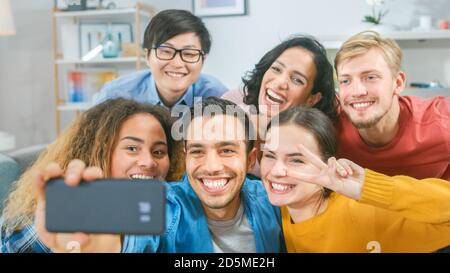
{"x":109,"y":206}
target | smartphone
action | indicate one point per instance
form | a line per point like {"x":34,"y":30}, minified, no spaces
{"x":110,"y":206}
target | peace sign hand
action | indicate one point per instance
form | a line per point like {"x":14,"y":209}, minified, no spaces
{"x":341,"y":176}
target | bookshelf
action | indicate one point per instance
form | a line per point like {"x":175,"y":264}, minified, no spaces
{"x":131,"y":60}
{"x":67,"y":39}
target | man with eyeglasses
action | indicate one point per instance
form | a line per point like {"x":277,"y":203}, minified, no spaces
{"x":176,"y":44}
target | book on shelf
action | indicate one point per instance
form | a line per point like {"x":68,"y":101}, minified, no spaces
{"x":82,"y":85}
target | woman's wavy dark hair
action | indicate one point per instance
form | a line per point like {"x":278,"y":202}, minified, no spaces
{"x":323,"y":82}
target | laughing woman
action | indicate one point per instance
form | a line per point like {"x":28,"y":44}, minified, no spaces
{"x":296,"y":72}
{"x":340,"y":207}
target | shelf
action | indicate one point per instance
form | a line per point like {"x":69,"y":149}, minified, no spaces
{"x":67,"y":47}
{"x":100,"y":13}
{"x":426,"y":92}
{"x":103,"y":61}
{"x":419,"y":35}
{"x":335,"y":41}
{"x":79,"y":106}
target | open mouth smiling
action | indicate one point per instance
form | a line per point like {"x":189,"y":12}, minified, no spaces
{"x":280,"y":188}
{"x":274,"y":98}
{"x":361,"y":105}
{"x":141,"y":176}
{"x":215,"y":184}
{"x":176,"y":75}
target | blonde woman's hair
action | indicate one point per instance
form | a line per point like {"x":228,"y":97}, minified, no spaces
{"x":363,"y":42}
{"x":90,"y":138}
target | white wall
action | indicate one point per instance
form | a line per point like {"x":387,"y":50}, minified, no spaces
{"x":26,"y":70}
{"x":26,"y":75}
{"x":239,"y":42}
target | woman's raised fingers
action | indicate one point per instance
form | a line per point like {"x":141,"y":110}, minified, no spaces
{"x":74,"y":172}
{"x":92,"y":173}
{"x":312,"y":158}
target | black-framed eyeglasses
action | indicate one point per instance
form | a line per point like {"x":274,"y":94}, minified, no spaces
{"x":188,"y":55}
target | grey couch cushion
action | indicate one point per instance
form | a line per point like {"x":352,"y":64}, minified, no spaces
{"x":13,"y":164}
{"x":26,"y":156}
{"x":9,"y":172}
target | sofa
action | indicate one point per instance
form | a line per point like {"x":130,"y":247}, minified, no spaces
{"x":13,"y":164}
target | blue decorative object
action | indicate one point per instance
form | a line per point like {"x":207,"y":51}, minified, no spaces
{"x":111,"y":46}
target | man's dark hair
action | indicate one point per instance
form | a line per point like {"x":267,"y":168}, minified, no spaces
{"x":216,"y":106}
{"x":323,"y":82}
{"x":169,"y":23}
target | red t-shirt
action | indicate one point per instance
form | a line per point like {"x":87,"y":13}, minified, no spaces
{"x":420,"y":149}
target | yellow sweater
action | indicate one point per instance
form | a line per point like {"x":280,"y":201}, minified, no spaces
{"x":395,"y":214}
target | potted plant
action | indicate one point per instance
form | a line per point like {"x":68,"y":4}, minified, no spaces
{"x":373,"y":20}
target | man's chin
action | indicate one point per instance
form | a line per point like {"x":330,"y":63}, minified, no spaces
{"x":277,"y":202}
{"x":220,"y":202}
{"x":365,"y":123}
{"x":215,"y":205}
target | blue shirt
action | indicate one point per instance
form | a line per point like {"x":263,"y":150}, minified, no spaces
{"x":187,"y":228}
{"x":141,"y":87}
{"x":22,"y":241}
{"x":186,"y":225}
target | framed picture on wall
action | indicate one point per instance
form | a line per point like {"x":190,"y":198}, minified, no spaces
{"x":69,"y":5}
{"x":213,"y":8}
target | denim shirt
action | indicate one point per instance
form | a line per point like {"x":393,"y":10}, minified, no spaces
{"x":186,"y":225}
{"x":141,"y":87}
{"x":187,"y":228}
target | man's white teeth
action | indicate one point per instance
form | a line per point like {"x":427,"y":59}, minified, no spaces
{"x":214,"y":184}
{"x":141,"y":176}
{"x":274,"y":96}
{"x":280,"y":187}
{"x":361,"y":105}
{"x":175,"y":74}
